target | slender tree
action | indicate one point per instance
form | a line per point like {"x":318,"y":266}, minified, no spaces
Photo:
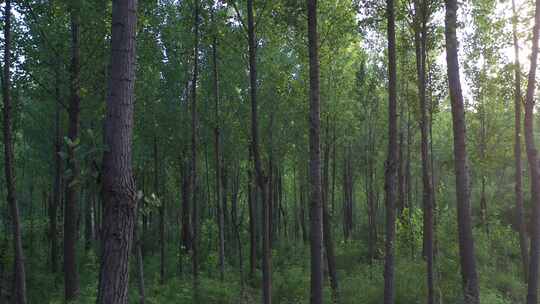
{"x":532,"y":156}
{"x":520,"y":220}
{"x":316,"y":214}
{"x":260,"y":177}
{"x":392,"y":160}
{"x":466,"y":241}
{"x":194,"y":143}
{"x":119,"y":195}
{"x":420,"y":39}
{"x":221,"y":219}
{"x":9,"y":167}
{"x":71,"y":212}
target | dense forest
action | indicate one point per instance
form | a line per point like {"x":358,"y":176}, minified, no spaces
{"x":269,"y":151}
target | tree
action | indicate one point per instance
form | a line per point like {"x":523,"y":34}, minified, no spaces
{"x":9,"y":167}
{"x":316,"y":215}
{"x":392,"y":160}
{"x":517,"y":150}
{"x":532,"y":156}
{"x":119,"y":195}
{"x":421,"y":9}
{"x":466,"y":241}
{"x":193,"y":178}
{"x":260,"y":178}
{"x":71,"y":213}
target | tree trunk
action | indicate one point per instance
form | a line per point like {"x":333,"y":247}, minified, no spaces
{"x":194,"y":180}
{"x":466,"y":241}
{"x":327,"y":223}
{"x":316,"y":210}
{"x":252,"y":224}
{"x":186,"y":207}
{"x":161,"y":209}
{"x":9,"y":168}
{"x":392,"y":161}
{"x":259,"y":175}
{"x":71,"y":215}
{"x":520,"y":220}
{"x":221,"y":218}
{"x":56,"y":199}
{"x":119,"y":186}
{"x":532,"y":156}
{"x":420,"y":32}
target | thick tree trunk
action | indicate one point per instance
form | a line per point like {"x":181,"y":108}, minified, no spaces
{"x":466,"y":241}
{"x":71,"y":215}
{"x":520,"y":218}
{"x":532,"y":156}
{"x":260,"y":178}
{"x":392,"y":161}
{"x":9,"y":166}
{"x":316,"y":210}
{"x":119,"y":188}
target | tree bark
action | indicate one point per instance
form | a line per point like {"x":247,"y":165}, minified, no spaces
{"x":71,"y":215}
{"x":532,"y":156}
{"x":252,"y":223}
{"x":392,"y":161}
{"x":420,"y":33}
{"x":9,"y":166}
{"x":520,"y":219}
{"x":194,"y":143}
{"x":119,"y":199}
{"x":466,"y":241}
{"x":316,"y":211}
{"x":221,"y":227}
{"x":327,"y":223}
{"x":260,"y":178}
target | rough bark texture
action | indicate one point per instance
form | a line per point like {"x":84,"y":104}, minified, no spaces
{"x":392,"y":161}
{"x":119,"y":199}
{"x":532,"y":156}
{"x":9,"y":166}
{"x":259,"y":175}
{"x":316,"y":218}
{"x":520,"y":220}
{"x":71,"y":211}
{"x":466,"y":242}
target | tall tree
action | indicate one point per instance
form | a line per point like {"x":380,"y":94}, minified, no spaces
{"x":221,"y":217}
{"x":119,"y":194}
{"x":466,"y":241}
{"x":420,"y":41}
{"x":9,"y":166}
{"x":71,"y":211}
{"x":260,"y":177}
{"x":392,"y":159}
{"x":532,"y":156}
{"x":193,"y":178}
{"x":520,"y":220}
{"x":316,"y":214}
